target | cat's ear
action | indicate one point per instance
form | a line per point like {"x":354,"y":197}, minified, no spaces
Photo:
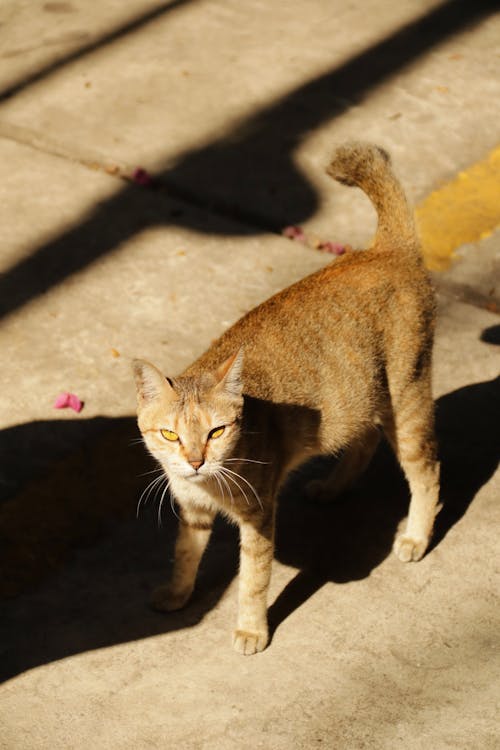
{"x":229,"y":374}
{"x":150,"y":382}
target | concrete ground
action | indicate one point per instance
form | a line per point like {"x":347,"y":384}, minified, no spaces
{"x":232,"y":109}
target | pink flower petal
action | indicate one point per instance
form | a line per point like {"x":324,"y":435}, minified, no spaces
{"x":141,"y":177}
{"x":61,"y":401}
{"x":75,"y":403}
{"x":293,"y":233}
{"x":335,"y":248}
{"x":68,"y":399}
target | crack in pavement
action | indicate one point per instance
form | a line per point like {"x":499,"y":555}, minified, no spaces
{"x":126,"y":173}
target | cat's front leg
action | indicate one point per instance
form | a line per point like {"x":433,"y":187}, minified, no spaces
{"x":256,"y":557}
{"x":194,"y":531}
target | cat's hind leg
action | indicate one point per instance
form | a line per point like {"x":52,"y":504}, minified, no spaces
{"x":193,"y":534}
{"x":411,"y":433}
{"x":351,"y":465}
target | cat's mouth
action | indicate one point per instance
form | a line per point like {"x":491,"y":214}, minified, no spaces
{"x":196,"y":476}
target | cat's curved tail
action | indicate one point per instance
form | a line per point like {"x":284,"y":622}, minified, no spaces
{"x":369,"y":167}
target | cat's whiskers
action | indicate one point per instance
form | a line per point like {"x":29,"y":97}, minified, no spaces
{"x":221,"y":490}
{"x":224,"y":486}
{"x":162,"y":498}
{"x":222,"y":478}
{"x":172,"y":505}
{"x":136,"y":441}
{"x":155,"y":483}
{"x":231,"y":474}
{"x":153,"y":471}
{"x":247,"y":460}
{"x":240,"y":488}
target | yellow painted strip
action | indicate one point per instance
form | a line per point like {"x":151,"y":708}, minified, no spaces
{"x":465,"y":210}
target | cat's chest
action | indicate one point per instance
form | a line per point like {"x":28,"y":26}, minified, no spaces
{"x":200,"y":494}
{"x":215,"y":498}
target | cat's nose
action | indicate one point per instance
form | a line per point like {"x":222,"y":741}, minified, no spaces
{"x":196,"y":464}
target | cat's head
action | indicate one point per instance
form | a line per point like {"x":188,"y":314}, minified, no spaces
{"x":190,"y":424}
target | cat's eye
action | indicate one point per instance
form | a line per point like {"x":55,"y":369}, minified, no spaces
{"x":170,"y":435}
{"x":216,"y":433}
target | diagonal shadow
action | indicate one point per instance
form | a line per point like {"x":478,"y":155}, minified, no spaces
{"x":252,"y":166}
{"x":129,"y":27}
{"x":99,"y":599}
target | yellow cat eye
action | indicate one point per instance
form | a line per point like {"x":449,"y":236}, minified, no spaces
{"x":216,"y":433}
{"x":170,"y":435}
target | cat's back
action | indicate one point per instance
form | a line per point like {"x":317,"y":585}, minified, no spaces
{"x":327,"y":325}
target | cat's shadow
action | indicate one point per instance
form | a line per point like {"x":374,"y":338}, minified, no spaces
{"x":346,"y":540}
{"x":100,"y":598}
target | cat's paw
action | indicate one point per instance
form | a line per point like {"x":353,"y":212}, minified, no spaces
{"x":166,"y":599}
{"x":408,"y":549}
{"x":247,"y":643}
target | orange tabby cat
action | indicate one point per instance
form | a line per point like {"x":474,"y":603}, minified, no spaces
{"x":321,"y":367}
